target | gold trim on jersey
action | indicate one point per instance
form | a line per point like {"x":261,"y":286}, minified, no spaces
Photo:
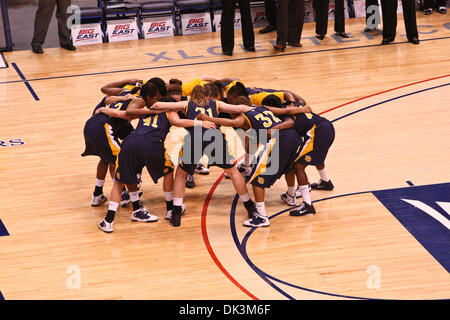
{"x":309,"y":145}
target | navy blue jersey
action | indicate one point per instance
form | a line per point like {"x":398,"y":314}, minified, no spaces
{"x":192,"y":110}
{"x":100,"y":105}
{"x":153,"y":126}
{"x":305,"y":121}
{"x":122,"y":106}
{"x":261,"y":118}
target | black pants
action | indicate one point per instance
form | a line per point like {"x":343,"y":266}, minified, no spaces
{"x":369,"y":15}
{"x":290,"y":18}
{"x":227,"y":29}
{"x":430,"y":4}
{"x":321,"y":8}
{"x":271,"y":12}
{"x":44,"y":15}
{"x":389,"y":9}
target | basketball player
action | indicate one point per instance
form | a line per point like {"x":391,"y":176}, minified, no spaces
{"x":206,"y":141}
{"x":286,"y":144}
{"x":144,"y":147}
{"x":101,"y":134}
{"x":318,"y":135}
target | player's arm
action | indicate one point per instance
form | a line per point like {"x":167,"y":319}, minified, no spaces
{"x":175,"y":120}
{"x":237,"y":122}
{"x":114,"y":88}
{"x":294,"y":110}
{"x":114,"y":99}
{"x":294,"y":97}
{"x":231,"y":108}
{"x":170,"y":106}
{"x":114,"y":113}
{"x":286,"y":124}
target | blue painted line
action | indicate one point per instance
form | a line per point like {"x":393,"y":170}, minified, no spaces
{"x":389,"y":100}
{"x":33,"y":93}
{"x":242,"y":246}
{"x":410,"y":183}
{"x":3,"y":231}
{"x":210,"y":62}
{"x":1,"y":296}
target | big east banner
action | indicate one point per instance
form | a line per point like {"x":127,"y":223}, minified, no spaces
{"x":195,"y":23}
{"x":158,"y":27}
{"x":86,"y":34}
{"x":258,"y":15}
{"x":122,"y":30}
{"x":218,"y":16}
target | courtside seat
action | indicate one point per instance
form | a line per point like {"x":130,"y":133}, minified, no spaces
{"x":184,"y":5}
{"x":156,"y":5}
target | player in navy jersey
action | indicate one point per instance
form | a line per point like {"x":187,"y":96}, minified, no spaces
{"x":273,"y":161}
{"x":102,"y":138}
{"x":210,"y":142}
{"x":144,"y":147}
{"x":318,"y":134}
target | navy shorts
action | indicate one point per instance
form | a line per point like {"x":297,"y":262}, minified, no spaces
{"x":139,"y":152}
{"x":214,"y":146}
{"x":100,"y":141}
{"x":275,"y":159}
{"x":317,"y":143}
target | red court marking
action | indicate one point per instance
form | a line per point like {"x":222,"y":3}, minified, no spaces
{"x":214,"y":187}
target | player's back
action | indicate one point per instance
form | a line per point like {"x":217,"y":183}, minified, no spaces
{"x":261,"y":118}
{"x":193,"y":110}
{"x":155,"y":126}
{"x":306,"y":121}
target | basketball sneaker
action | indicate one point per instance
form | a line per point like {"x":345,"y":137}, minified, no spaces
{"x":142,"y":215}
{"x":125,"y":198}
{"x":288,"y":199}
{"x":442,"y":10}
{"x":303,"y":210}
{"x":201,"y":169}
{"x":175,"y":220}
{"x":106,"y":226}
{"x":168,"y":215}
{"x":257,"y":220}
{"x":190,"y":183}
{"x":322,"y":185}
{"x":98,"y":200}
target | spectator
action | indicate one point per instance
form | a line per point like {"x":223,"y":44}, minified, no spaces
{"x":321,"y":8}
{"x":429,"y":4}
{"x":389,"y":9}
{"x":227,"y":29}
{"x":271,"y":16}
{"x":44,"y":15}
{"x":290,"y":18}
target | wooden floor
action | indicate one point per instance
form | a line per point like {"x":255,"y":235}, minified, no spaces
{"x":391,"y":110}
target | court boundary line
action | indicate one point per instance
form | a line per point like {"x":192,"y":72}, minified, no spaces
{"x":25,"y":81}
{"x":220,"y":178}
{"x":210,"y":62}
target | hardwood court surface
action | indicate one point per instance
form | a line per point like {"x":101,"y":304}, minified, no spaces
{"x":390,"y":106}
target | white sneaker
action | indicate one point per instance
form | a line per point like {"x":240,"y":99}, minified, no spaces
{"x":168,"y":215}
{"x":142,"y":215}
{"x":106,"y":226}
{"x":201,"y":169}
{"x":288,"y":199}
{"x":257,"y":221}
{"x":98,"y":200}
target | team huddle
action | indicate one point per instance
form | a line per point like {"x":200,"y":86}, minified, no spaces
{"x":279,"y":132}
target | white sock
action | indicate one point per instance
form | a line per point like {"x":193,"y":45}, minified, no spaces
{"x":261,"y":207}
{"x":113,"y":206}
{"x":168,"y":196}
{"x":305,"y":193}
{"x":99,"y":183}
{"x":323,"y":175}
{"x":178,"y":202}
{"x":245,"y":197}
{"x":134,"y":196}
{"x":291,"y":191}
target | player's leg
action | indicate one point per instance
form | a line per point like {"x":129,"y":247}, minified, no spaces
{"x":261,"y":219}
{"x":178,"y":195}
{"x":289,"y":197}
{"x":98,"y":197}
{"x":139,"y":214}
{"x":107,"y":223}
{"x":324,"y":182}
{"x":306,"y":207}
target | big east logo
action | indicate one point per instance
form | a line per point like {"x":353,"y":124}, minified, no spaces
{"x":196,"y":23}
{"x":158,"y":27}
{"x":260,"y":16}
{"x":86,"y":34}
{"x":122,"y":29}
